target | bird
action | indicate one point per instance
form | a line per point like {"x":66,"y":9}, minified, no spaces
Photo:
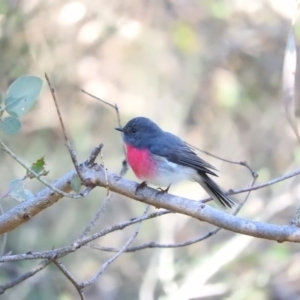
{"x":163,"y":159}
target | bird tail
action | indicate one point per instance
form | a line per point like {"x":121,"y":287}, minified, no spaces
{"x":215,"y":191}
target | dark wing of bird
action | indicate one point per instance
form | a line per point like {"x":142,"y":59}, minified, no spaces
{"x":177,"y":151}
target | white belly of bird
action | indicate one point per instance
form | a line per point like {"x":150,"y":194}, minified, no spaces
{"x":170,"y":173}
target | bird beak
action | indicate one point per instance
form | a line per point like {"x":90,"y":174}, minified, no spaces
{"x":120,"y":129}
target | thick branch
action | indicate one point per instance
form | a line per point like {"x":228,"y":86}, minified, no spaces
{"x":26,"y":210}
{"x":96,"y":175}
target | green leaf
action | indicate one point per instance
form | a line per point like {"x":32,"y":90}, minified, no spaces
{"x":75,"y":183}
{"x":39,"y":168}
{"x":1,"y":98}
{"x":10,"y":125}
{"x":22,"y":94}
{"x":17,"y":190}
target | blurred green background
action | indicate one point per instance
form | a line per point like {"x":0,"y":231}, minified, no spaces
{"x":209,"y":71}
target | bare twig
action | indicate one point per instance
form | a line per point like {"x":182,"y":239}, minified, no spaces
{"x":115,"y":107}
{"x":25,"y":276}
{"x":64,"y":270}
{"x":60,"y":252}
{"x":157,"y":245}
{"x":96,"y":151}
{"x":125,"y":166}
{"x":262,"y":185}
{"x":120,"y":252}
{"x":97,"y":216}
{"x":86,"y":191}
{"x":67,"y":142}
{"x":241,"y":163}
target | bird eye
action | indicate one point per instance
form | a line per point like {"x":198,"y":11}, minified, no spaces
{"x":133,"y":130}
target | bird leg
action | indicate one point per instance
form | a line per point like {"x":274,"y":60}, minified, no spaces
{"x":162,"y":191}
{"x":140,"y":186}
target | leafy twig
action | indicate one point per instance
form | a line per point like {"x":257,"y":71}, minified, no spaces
{"x":37,"y":176}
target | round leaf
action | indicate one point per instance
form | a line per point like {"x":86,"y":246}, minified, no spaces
{"x":75,"y":183}
{"x":17,"y":190}
{"x":10,"y":125}
{"x":22,"y":94}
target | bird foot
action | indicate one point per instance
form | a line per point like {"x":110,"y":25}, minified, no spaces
{"x":162,"y":191}
{"x":140,"y":186}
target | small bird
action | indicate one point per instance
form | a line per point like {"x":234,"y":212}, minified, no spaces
{"x":161,"y":158}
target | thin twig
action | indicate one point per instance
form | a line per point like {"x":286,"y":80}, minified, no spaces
{"x":115,"y":107}
{"x":25,"y":276}
{"x":60,"y":252}
{"x":102,"y":208}
{"x":67,"y":142}
{"x":246,"y":198}
{"x":37,"y":176}
{"x":157,"y":245}
{"x":120,"y":252}
{"x":265,"y":184}
{"x":97,"y":216}
{"x":241,"y":163}
{"x":125,"y":166}
{"x":64,"y":270}
{"x":96,"y":151}
{"x":87,"y":191}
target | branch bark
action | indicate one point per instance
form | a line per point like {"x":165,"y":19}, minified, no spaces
{"x":95,"y":174}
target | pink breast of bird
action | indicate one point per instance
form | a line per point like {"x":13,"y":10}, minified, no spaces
{"x":141,"y":162}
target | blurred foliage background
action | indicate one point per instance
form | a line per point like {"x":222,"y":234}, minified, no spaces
{"x":209,"y":71}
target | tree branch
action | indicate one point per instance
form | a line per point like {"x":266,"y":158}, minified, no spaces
{"x":200,"y":211}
